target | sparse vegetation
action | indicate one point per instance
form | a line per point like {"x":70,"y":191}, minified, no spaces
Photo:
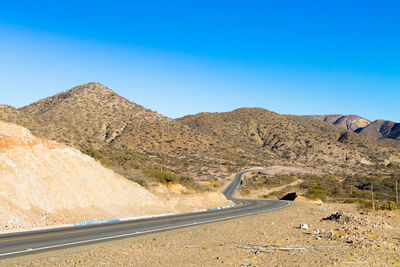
{"x":389,"y":205}
{"x":316,"y":193}
{"x":162,"y":176}
{"x":131,"y":139}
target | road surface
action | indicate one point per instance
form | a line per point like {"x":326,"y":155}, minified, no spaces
{"x":16,"y":244}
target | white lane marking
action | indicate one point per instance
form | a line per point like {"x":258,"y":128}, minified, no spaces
{"x":137,"y":233}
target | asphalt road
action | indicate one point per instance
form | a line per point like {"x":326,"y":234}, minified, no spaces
{"x":17,"y":244}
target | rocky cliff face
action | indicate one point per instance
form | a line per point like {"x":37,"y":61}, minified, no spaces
{"x":379,"y":129}
{"x":349,"y":122}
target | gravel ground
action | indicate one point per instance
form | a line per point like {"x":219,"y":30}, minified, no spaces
{"x":271,"y":239}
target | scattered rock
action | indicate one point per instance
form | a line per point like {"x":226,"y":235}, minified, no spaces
{"x":334,"y":217}
{"x":304,"y":226}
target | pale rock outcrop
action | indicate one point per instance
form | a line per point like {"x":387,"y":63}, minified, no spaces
{"x":43,"y":182}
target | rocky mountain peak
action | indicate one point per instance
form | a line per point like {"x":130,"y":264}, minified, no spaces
{"x":348,"y":122}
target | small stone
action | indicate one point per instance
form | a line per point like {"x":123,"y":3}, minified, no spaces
{"x":304,"y":226}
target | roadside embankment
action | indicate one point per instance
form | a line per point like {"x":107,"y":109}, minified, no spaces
{"x":44,"y":183}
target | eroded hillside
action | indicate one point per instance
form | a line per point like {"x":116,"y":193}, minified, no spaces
{"x":388,"y":131}
{"x":43,"y":182}
{"x":126,"y":136}
{"x":257,"y":130}
{"x":349,"y":122}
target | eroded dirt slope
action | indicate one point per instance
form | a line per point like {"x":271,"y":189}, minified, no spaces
{"x":44,"y":183}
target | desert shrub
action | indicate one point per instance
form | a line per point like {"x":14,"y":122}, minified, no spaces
{"x":190,"y":183}
{"x":140,"y":181}
{"x":391,"y":165}
{"x":278,"y":194}
{"x":98,"y":154}
{"x":350,"y":200}
{"x":165,"y":177}
{"x":278,"y":180}
{"x":365,"y":204}
{"x":357,"y":186}
{"x":245,"y":192}
{"x":316,"y":193}
{"x":162,"y":176}
{"x":389,"y":205}
{"x":329,"y":185}
{"x":362,"y":193}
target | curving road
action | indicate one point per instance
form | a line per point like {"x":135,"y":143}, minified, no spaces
{"x":16,"y":244}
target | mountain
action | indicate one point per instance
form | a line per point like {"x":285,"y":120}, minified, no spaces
{"x":118,"y":132}
{"x":379,"y":129}
{"x":92,"y":113}
{"x":349,"y":122}
{"x":265,"y":133}
{"x":124,"y":135}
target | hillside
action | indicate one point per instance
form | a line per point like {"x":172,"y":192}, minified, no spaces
{"x":92,"y":113}
{"x":381,"y":129}
{"x":128,"y":137}
{"x":101,"y":123}
{"x":44,"y":183}
{"x":13,"y":115}
{"x":263,"y":132}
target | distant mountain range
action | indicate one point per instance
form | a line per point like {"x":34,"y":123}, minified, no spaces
{"x":379,"y":129}
{"x":119,"y":132}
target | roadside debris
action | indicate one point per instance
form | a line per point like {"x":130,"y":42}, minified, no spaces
{"x":304,"y":226}
{"x":269,"y":248}
{"x":334,"y":217}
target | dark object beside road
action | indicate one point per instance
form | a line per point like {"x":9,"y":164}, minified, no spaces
{"x":334,"y":217}
{"x":290,"y":196}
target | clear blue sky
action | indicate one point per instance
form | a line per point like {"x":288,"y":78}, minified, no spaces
{"x":184,"y":57}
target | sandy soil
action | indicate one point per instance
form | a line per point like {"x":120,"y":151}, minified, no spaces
{"x":289,"y":170}
{"x":271,"y":239}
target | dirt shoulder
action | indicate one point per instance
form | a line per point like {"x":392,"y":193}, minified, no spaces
{"x":269,"y":239}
